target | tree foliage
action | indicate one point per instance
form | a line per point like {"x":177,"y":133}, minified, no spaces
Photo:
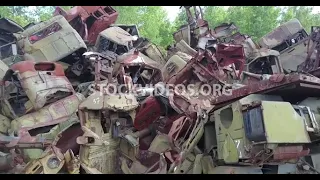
{"x":303,"y":14}
{"x":255,"y":21}
{"x":181,"y":19}
{"x":19,"y":14}
{"x":24,"y":15}
{"x":215,"y":15}
{"x":153,"y":22}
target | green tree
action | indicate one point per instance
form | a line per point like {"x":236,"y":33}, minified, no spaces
{"x":181,"y":19}
{"x":255,"y":21}
{"x":152,"y":22}
{"x":303,"y":14}
{"x":24,"y":15}
{"x":166,"y":33}
{"x":43,"y":13}
{"x":215,"y":15}
{"x":19,"y":14}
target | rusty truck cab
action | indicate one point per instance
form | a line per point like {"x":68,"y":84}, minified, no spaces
{"x":89,"y":21}
{"x":291,"y":40}
{"x":51,"y":40}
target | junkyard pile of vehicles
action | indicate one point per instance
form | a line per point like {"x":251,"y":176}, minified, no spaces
{"x":83,"y":95}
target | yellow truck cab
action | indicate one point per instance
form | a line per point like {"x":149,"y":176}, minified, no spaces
{"x":51,"y":40}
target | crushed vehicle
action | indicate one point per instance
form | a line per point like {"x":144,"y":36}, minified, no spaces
{"x":40,"y":103}
{"x":196,"y":33}
{"x":131,"y":112}
{"x":140,"y":68}
{"x":151,"y":50}
{"x":287,"y":39}
{"x":259,"y":60}
{"x":131,"y":29}
{"x":298,"y":50}
{"x":55,"y":34}
{"x":114,"y":40}
{"x":8,"y":45}
{"x":53,"y":41}
{"x":89,"y":21}
{"x":103,"y":122}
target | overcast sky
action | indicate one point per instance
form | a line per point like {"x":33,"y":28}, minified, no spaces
{"x":173,"y":11}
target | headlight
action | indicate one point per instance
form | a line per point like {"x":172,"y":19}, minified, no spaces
{"x":53,"y":163}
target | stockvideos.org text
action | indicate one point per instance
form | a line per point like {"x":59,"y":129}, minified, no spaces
{"x":162,"y":89}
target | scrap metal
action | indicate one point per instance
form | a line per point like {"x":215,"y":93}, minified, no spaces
{"x":129,"y":113}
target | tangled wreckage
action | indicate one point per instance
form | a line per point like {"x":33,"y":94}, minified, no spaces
{"x":80,"y":94}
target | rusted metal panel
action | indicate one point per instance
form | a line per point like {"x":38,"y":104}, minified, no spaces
{"x":231,"y":137}
{"x":148,"y":112}
{"x":114,"y":102}
{"x":117,"y":35}
{"x":287,"y":168}
{"x":49,"y":115}
{"x":275,"y":82}
{"x":315,"y":161}
{"x":59,"y":40}
{"x":132,"y":29}
{"x":183,"y":34}
{"x":3,"y":69}
{"x":96,"y":18}
{"x":290,"y":152}
{"x":312,"y":116}
{"x":225,"y":30}
{"x":228,"y":54}
{"x":291,"y":58}
{"x":43,"y":82}
{"x":5,"y":125}
{"x":281,"y":33}
{"x":154,"y":52}
{"x":103,"y":158}
{"x":134,"y":58}
{"x":118,"y":132}
{"x":173,"y":66}
{"x":48,"y":164}
{"x":280,"y":115}
{"x":6,"y":161}
{"x":72,"y":162}
{"x":8,"y":45}
{"x":9,"y":25}
{"x":142,"y":69}
{"x":184,"y":47}
{"x":236,"y":170}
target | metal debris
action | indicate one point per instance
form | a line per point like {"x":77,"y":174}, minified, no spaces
{"x":101,"y":99}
